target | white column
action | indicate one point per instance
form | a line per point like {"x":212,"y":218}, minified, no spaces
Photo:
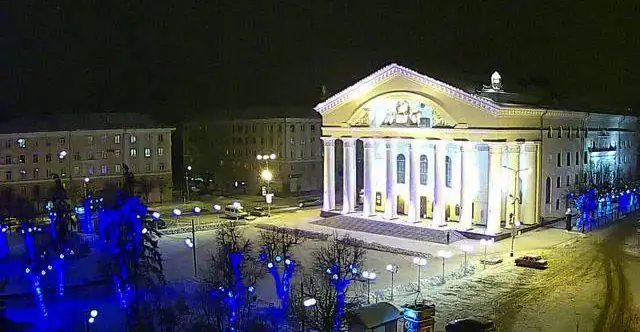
{"x":468,"y":184}
{"x":349,"y":175}
{"x":528,"y":159}
{"x":512,"y":189}
{"x":495,"y":188}
{"x":391,"y":200}
{"x":438,"y":186}
{"x":329,"y":196}
{"x":368,"y":208}
{"x":414,"y":178}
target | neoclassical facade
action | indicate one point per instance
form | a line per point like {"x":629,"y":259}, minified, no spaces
{"x":432,"y":153}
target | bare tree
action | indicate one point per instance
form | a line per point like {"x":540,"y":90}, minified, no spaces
{"x":276,"y":253}
{"x":336,"y":265}
{"x":233,"y":273}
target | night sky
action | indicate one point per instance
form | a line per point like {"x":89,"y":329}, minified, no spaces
{"x":178,"y":58}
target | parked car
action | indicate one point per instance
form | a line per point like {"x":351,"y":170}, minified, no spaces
{"x":310,"y":202}
{"x":532,"y":261}
{"x":471,"y":324}
{"x":258,"y":211}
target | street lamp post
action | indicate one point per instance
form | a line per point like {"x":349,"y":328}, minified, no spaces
{"x":84,"y":186}
{"x":419,"y":262}
{"x":186,"y":181}
{"x":466,"y":249}
{"x":193,"y":241}
{"x":368,"y":276}
{"x":236,"y":207}
{"x":196,"y":212}
{"x":267,"y":176}
{"x":444,"y":254}
{"x":393,"y":269}
{"x":90,"y":318}
{"x":485,"y":244}
{"x":308,"y":303}
{"x":177,"y":213}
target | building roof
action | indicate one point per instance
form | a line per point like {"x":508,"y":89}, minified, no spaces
{"x":375,"y":315}
{"x":85,"y":121}
{"x":258,"y":112}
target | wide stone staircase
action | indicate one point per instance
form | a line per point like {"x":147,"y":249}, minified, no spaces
{"x":379,"y":227}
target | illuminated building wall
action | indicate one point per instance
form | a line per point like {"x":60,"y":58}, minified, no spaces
{"x":434,"y":153}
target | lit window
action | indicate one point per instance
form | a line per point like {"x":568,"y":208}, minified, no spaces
{"x":117,"y":168}
{"x":76,"y":170}
{"x":424,"y":167}
{"x":132,"y":139}
{"x":400,"y":171}
{"x":116,"y":139}
{"x":133,"y":152}
{"x":89,"y":140}
{"x":147,"y":152}
{"x":103,"y":169}
{"x":36,"y":173}
{"x":160,"y":151}
{"x":90,"y":170}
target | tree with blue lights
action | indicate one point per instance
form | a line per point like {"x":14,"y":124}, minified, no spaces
{"x":276,"y":254}
{"x":337,"y":264}
{"x":234,"y":272}
{"x":136,"y":260}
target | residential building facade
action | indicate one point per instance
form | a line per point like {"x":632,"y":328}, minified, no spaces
{"x":85,"y":159}
{"x":435,"y":154}
{"x":227,"y":152}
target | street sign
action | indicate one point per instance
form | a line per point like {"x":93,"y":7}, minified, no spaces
{"x":269,"y":198}
{"x":264,"y":190}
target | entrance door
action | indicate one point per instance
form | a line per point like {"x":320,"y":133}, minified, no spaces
{"x":400,"y":205}
{"x":423,"y":206}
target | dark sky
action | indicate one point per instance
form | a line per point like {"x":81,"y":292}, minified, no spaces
{"x":175,"y":58}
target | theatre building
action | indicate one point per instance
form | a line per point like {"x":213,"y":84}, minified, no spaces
{"x":402,"y":146}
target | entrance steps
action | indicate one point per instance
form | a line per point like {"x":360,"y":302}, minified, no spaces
{"x":393,"y":229}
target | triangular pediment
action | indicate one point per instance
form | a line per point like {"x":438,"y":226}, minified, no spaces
{"x":397,"y":72}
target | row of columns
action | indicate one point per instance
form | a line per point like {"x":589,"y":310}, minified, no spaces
{"x":517,"y":157}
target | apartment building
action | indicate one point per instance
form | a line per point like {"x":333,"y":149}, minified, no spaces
{"x":225,"y":152}
{"x":87,"y":152}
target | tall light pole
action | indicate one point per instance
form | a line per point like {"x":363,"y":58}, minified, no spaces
{"x":90,"y":318}
{"x":186,"y":181}
{"x":267,"y":176}
{"x":419,"y":262}
{"x":368,"y":276}
{"x":393,"y":269}
{"x":266,"y":158}
{"x":236,"y":207}
{"x":444,"y":254}
{"x":84,"y":185}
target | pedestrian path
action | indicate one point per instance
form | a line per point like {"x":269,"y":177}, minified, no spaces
{"x":351,"y":223}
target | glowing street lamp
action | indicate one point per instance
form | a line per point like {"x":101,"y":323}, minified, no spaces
{"x":444,"y":254}
{"x":84,"y":185}
{"x":236,"y":208}
{"x":268,"y":176}
{"x":419,"y":262}
{"x":368,"y":276}
{"x":186,"y":181}
{"x":91,"y":318}
{"x":177,"y":213}
{"x":155,"y":215}
{"x":393,"y":269}
{"x":309,"y":302}
{"x":466,"y":248}
{"x":62,"y":154}
{"x":217,"y":208}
